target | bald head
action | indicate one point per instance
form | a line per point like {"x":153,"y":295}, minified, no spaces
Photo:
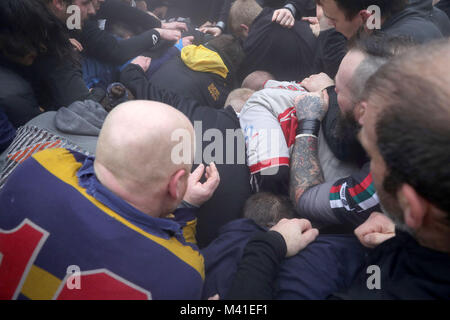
{"x":256,"y":80}
{"x":135,"y":145}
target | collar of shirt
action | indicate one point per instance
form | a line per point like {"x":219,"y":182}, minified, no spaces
{"x":161,"y":227}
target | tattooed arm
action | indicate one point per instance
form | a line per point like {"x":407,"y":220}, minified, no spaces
{"x":305,"y":166}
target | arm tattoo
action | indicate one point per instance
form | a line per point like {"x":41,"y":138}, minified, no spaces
{"x":310,"y":108}
{"x":305,"y":167}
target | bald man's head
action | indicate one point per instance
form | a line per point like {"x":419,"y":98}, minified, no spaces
{"x":134,"y":149}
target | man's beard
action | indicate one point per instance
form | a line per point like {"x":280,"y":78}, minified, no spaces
{"x":347,"y":127}
{"x":346,"y":132}
{"x":390,"y":207}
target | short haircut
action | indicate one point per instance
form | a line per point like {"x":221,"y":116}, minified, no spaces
{"x":230,"y":50}
{"x":238,"y":97}
{"x":413,"y":132}
{"x":243,"y":12}
{"x":352,"y":7}
{"x":377,"y":49}
{"x":266,"y":209}
{"x":256,"y":80}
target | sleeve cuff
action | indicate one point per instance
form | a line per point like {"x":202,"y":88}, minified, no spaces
{"x":221,"y":25}
{"x":291,"y":8}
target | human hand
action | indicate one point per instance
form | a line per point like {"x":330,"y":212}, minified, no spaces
{"x":187,"y":41}
{"x":198,"y":193}
{"x":181,"y":26}
{"x":76,"y":44}
{"x":207,"y":24}
{"x":297,"y":233}
{"x":169,"y":34}
{"x":143,"y":62}
{"x":312,"y":106}
{"x":313,"y":24}
{"x":215,"y":31}
{"x":377,"y":229}
{"x":284,"y":18}
{"x":317,"y":82}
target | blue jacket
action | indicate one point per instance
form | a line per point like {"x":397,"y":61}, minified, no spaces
{"x":326,"y":266}
{"x":56,"y":216}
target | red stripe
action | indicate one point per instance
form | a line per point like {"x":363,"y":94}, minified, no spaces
{"x":361,"y":187}
{"x":269,"y":163}
{"x":336,"y":189}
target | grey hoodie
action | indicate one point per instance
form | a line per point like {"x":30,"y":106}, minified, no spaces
{"x":76,"y":128}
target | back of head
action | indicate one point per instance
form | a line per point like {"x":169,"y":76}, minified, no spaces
{"x":230,"y":50}
{"x":256,"y":80}
{"x":352,"y":7}
{"x":136,"y":144}
{"x":412,"y":94}
{"x":377,"y":49}
{"x":266,"y":209}
{"x":237,"y":98}
{"x":27,"y":26}
{"x":243,"y":12}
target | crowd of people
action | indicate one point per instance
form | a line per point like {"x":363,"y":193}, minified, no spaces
{"x":224,"y":149}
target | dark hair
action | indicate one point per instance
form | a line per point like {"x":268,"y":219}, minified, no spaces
{"x":352,"y":7}
{"x":412,"y":129}
{"x":378,"y":49}
{"x":230,"y":50}
{"x":266,"y":209}
{"x":28,"y":25}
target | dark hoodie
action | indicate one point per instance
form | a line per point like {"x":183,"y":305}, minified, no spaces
{"x":414,"y":22}
{"x":444,"y":5}
{"x":288,"y":54}
{"x":200,"y":73}
{"x":434,"y":14}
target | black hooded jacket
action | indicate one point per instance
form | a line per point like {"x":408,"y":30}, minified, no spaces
{"x":434,"y":14}
{"x":288,"y":54}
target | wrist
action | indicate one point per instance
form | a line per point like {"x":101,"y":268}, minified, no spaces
{"x":308,"y":127}
{"x":291,"y":8}
{"x":220,"y":25}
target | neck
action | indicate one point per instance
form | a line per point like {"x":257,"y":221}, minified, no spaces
{"x":436,"y":235}
{"x":145,"y":202}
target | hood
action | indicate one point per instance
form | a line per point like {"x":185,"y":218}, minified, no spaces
{"x":202,"y":59}
{"x":81,"y":118}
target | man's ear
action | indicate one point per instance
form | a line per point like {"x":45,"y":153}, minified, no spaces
{"x":244,"y":29}
{"x":177,"y":186}
{"x":413,"y":205}
{"x":59,"y":5}
{"x":365,"y":15}
{"x":359,"y":112}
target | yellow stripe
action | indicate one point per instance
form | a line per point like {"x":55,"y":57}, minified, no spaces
{"x":40,"y":285}
{"x":62,"y":164}
{"x":189,"y":231}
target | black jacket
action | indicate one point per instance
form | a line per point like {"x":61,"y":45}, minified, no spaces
{"x":434,"y":14}
{"x":17,"y":99}
{"x":207,"y":88}
{"x":288,"y":54}
{"x":59,"y":82}
{"x":304,"y":8}
{"x":408,"y":271}
{"x":331,"y":49}
{"x":234,"y":187}
{"x":118,"y":11}
{"x":444,"y":5}
{"x":412,"y":23}
{"x":105,"y":48}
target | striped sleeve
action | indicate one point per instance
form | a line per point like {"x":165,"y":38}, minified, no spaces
{"x":354,"y":198}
